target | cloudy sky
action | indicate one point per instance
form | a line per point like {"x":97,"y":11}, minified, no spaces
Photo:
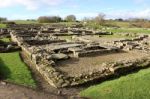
{"x":29,"y":9}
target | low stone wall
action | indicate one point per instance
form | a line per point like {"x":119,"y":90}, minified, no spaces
{"x":4,"y":33}
{"x":111,"y":69}
{"x":96,"y":52}
{"x":59,"y":79}
{"x":8,"y":47}
{"x":50,"y":74}
{"x":42,"y":42}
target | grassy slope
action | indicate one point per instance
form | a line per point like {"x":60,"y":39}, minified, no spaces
{"x":2,"y":25}
{"x":14,"y":70}
{"x":118,"y":24}
{"x":125,"y":27}
{"x":132,"y":86}
{"x":130,"y":30}
{"x":5,"y":39}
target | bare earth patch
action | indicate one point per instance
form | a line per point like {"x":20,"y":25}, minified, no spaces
{"x":10,"y":91}
{"x":87,"y":64}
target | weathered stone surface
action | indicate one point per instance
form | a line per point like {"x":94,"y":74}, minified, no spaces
{"x":45,"y":49}
{"x":59,"y":56}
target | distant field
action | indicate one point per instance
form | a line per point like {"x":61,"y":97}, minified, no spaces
{"x":111,"y":26}
{"x":132,"y":86}
{"x":14,"y":70}
{"x":25,"y":22}
{"x":121,"y":24}
{"x":129,"y":30}
{"x":36,"y":22}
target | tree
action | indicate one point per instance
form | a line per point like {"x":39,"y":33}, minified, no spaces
{"x":120,"y":19}
{"x":100,"y":19}
{"x":3,"y":19}
{"x":49,"y":19}
{"x":70,"y":18}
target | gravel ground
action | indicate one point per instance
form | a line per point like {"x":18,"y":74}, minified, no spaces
{"x":88,"y":64}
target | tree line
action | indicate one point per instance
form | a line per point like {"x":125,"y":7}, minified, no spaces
{"x":3,"y":19}
{"x":55,"y":19}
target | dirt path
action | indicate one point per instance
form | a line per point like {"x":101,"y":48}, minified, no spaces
{"x":10,"y":91}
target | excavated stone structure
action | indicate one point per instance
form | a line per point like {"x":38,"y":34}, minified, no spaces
{"x":43,"y":48}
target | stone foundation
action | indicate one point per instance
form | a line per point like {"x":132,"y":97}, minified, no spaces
{"x":40,"y":48}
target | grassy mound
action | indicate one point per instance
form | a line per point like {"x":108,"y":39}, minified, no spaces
{"x":132,"y":86}
{"x":12,"y":69}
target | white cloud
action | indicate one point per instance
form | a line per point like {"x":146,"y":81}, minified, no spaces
{"x":21,"y":17}
{"x":140,"y":1}
{"x":145,"y":13}
{"x":6,"y":3}
{"x":30,"y":4}
{"x":52,"y":2}
{"x":82,"y":15}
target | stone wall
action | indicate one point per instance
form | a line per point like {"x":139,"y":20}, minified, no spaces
{"x":59,"y":79}
{"x":96,"y":52}
{"x":111,"y":69}
{"x":56,"y":78}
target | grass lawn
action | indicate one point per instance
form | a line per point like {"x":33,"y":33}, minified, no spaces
{"x":14,"y":70}
{"x":130,"y":30}
{"x":2,"y":25}
{"x":65,"y":37}
{"x":5,"y":39}
{"x":121,"y":24}
{"x":132,"y":86}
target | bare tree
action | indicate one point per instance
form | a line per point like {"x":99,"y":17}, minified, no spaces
{"x":100,"y":19}
{"x":3,"y":19}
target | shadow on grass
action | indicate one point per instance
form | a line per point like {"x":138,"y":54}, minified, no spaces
{"x":4,"y":70}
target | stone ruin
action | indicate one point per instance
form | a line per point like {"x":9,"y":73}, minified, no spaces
{"x":8,"y":47}
{"x":65,"y":64}
{"x":4,"y":33}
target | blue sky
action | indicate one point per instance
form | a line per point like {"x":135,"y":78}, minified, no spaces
{"x":29,"y":9}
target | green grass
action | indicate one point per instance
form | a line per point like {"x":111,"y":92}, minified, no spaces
{"x":65,"y":37}
{"x":14,"y":70}
{"x":125,"y":27}
{"x":132,"y":86}
{"x":130,"y":30}
{"x":5,"y":39}
{"x":2,"y":25}
{"x":121,"y":24}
